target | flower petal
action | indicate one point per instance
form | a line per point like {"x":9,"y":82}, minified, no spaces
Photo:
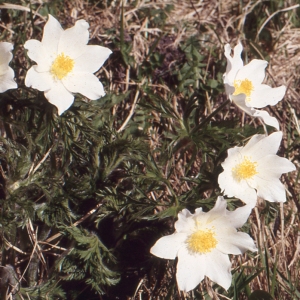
{"x":238,"y":217}
{"x":219,"y":269}
{"x":234,"y":157}
{"x":274,"y":166}
{"x":59,"y":96}
{"x":73,"y":41}
{"x":218,"y":211}
{"x":185,"y":222}
{"x":229,"y":90}
{"x":264,"y":115}
{"x":51,"y":37}
{"x":191,"y":269}
{"x":227,"y":53}
{"x":254,"y":71}
{"x":39,"y":81}
{"x":264,"y":95}
{"x":232,"y":242}
{"x":37,"y":53}
{"x":253,"y":141}
{"x":233,"y":188}
{"x":84,"y":83}
{"x":167,"y":247}
{"x":233,"y":63}
{"x":7,"y":81}
{"x":267,"y":180}
{"x":92,"y":59}
{"x":265,"y":146}
{"x":272,"y":190}
{"x":5,"y":57}
{"x":240,"y":102}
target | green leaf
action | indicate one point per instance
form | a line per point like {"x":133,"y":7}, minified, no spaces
{"x":212,"y":83}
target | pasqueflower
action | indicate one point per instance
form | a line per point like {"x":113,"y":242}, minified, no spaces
{"x":243,"y":85}
{"x":7,"y":74}
{"x":254,"y":170}
{"x":65,"y":64}
{"x":202,"y":242}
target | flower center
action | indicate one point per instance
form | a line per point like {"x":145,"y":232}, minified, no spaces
{"x":202,"y":241}
{"x":62,"y":66}
{"x":243,"y":87}
{"x":246,"y":169}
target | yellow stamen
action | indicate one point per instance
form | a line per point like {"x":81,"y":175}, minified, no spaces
{"x":243,"y":87}
{"x":202,"y":241}
{"x":246,"y":169}
{"x":62,"y":66}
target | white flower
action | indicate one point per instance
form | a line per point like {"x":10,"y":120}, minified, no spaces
{"x":202,"y":242}
{"x":7,"y":74}
{"x":243,"y":85}
{"x":254,"y":170}
{"x":65,"y":64}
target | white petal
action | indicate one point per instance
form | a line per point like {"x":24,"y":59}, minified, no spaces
{"x":37,"y":53}
{"x":238,"y":217}
{"x":265,"y":146}
{"x":240,"y":102}
{"x":220,"y":206}
{"x":229,"y":89}
{"x":73,"y":40}
{"x":3,"y":69}
{"x":92,"y":59}
{"x":167,"y":247}
{"x":234,"y":157}
{"x":84,"y":83}
{"x":7,"y":81}
{"x":198,"y":211}
{"x":232,"y":242}
{"x":264,"y":95}
{"x":227,"y":53}
{"x":264,"y":115}
{"x":190,"y":269}
{"x":233,"y":63}
{"x":254,"y":71}
{"x":252,"y":142}
{"x":6,"y":47}
{"x":218,"y":210}
{"x":39,"y":81}
{"x":272,"y":190}
{"x":218,"y":269}
{"x":51,"y":37}
{"x":225,"y":178}
{"x":274,"y":166}
{"x":234,"y":188}
{"x":185,"y":222}
{"x":59,"y":96}
{"x":237,"y":52}
{"x":5,"y":56}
